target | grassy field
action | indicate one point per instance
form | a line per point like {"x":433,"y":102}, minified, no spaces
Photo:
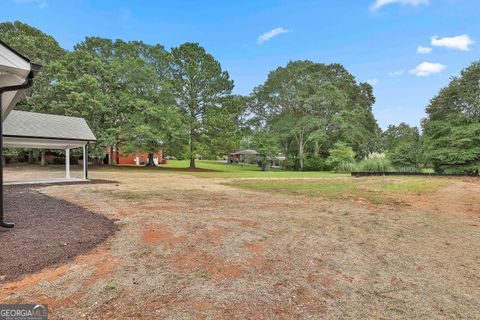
{"x":219,"y":169}
{"x":262,"y":245}
{"x":376,"y":190}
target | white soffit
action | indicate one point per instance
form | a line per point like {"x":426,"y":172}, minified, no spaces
{"x":14,"y":69}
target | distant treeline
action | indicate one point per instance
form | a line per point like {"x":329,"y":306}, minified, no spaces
{"x":316,"y":115}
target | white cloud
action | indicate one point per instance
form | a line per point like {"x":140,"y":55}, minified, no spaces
{"x":380,"y":3}
{"x":396,"y":73}
{"x":41,"y":3}
{"x":271,"y":34}
{"x":427,"y":68}
{"x":372,"y":82}
{"x":461,"y":42}
{"x":424,"y":50}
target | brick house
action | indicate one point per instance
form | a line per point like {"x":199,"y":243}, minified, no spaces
{"x":115,"y":156}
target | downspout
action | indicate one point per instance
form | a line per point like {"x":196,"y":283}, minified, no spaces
{"x":27,"y":84}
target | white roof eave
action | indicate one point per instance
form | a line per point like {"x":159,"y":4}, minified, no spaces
{"x":14,"y":70}
{"x":18,"y":142}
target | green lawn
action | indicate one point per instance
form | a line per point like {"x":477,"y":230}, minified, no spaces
{"x":228,"y":170}
{"x":377,"y":190}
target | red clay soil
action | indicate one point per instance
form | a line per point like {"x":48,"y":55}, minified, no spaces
{"x":48,"y":231}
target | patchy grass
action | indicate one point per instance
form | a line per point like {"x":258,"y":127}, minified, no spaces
{"x":111,"y":286}
{"x":210,"y":165}
{"x":193,"y":248}
{"x":376,"y":190}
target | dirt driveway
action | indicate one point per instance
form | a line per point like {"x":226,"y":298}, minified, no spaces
{"x":192,"y":248}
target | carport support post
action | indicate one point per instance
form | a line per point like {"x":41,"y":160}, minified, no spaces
{"x":2,"y":222}
{"x":85,"y":161}
{"x":67,"y":163}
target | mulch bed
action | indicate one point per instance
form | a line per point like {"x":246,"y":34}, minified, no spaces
{"x":48,"y":231}
{"x":419,"y":174}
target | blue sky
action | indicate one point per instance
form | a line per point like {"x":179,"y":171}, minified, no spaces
{"x":376,"y":40}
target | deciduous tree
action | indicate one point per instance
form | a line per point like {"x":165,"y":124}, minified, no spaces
{"x":452,"y":126}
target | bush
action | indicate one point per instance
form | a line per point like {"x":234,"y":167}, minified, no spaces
{"x":314,"y":164}
{"x":22,"y":156}
{"x":409,"y":169}
{"x":288,"y":164}
{"x":340,"y":153}
{"x":61,"y":160}
{"x":345,"y":167}
{"x":460,"y":169}
{"x":374,"y":165}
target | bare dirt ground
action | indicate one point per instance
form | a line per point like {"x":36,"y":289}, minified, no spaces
{"x":192,"y":248}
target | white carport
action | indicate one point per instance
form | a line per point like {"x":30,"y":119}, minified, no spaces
{"x":33,"y":130}
{"x":47,"y":131}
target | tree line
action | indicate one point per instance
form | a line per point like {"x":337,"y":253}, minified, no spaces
{"x":316,"y":115}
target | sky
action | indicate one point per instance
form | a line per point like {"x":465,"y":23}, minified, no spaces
{"x":406,"y":49}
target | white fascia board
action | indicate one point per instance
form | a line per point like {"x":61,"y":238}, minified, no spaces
{"x":17,"y":142}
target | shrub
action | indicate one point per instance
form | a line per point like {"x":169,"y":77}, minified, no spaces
{"x":346,"y":167}
{"x":340,"y":153}
{"x":409,"y":169}
{"x":460,"y":169}
{"x":374,"y":165}
{"x":288,"y":164}
{"x":314,"y":164}
{"x":61,"y":160}
{"x":22,"y":156}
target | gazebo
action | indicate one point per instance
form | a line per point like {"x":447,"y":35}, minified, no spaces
{"x":34,"y":130}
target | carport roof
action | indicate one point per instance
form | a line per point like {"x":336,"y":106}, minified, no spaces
{"x":21,"y":124}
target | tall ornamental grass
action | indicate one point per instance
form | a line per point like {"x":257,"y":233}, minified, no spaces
{"x":375,"y":162}
{"x":346,"y":167}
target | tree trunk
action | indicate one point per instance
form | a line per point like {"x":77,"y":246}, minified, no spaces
{"x":110,"y":156}
{"x":285,"y":153}
{"x":264,"y":164}
{"x":316,"y":149}
{"x":31,"y":159}
{"x":43,"y":161}
{"x":300,"y":151}
{"x":150,"y":162}
{"x":192,"y":156}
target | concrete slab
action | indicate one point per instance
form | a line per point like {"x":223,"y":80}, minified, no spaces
{"x":43,"y":181}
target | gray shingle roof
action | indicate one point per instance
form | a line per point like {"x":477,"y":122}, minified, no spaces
{"x":49,"y":126}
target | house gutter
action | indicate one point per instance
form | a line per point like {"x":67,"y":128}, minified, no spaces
{"x":27,"y":84}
